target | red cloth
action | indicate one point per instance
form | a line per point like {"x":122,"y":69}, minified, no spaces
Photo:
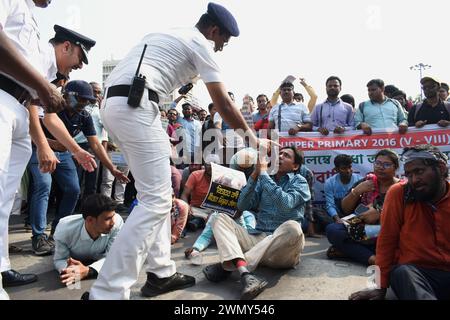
{"x":262,"y":124}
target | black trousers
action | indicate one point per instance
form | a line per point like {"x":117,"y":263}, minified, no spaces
{"x":410,"y":282}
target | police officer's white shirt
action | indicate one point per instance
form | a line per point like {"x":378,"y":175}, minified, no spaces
{"x":73,"y":240}
{"x":18,"y":23}
{"x":49,"y":65}
{"x":171,"y":60}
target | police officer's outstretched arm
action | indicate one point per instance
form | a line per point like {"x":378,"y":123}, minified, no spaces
{"x":15,"y":65}
{"x":231,"y":114}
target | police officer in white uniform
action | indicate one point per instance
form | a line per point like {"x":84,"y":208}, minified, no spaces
{"x":171,"y":60}
{"x":19,"y":80}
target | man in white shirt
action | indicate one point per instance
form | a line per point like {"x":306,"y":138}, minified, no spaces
{"x":19,"y":81}
{"x":170,"y":60}
{"x":82,"y":241}
{"x":289,"y":116}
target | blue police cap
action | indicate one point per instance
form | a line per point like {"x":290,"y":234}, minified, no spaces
{"x":223,"y":18}
{"x":85,"y":43}
{"x":81,"y":88}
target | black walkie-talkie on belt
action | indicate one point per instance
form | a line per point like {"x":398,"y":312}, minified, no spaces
{"x":138,"y":86}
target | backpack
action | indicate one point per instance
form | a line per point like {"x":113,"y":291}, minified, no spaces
{"x":419,"y":106}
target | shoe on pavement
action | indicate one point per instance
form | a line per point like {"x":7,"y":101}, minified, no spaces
{"x":155,"y":286}
{"x":12,"y":278}
{"x":252,"y":286}
{"x":41,"y":245}
{"x":215,"y":272}
{"x":85,"y":296}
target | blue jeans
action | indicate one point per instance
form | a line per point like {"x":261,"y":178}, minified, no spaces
{"x":67,"y":179}
{"x":338,"y":236}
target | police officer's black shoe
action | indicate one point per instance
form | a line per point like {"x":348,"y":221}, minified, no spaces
{"x":12,"y":278}
{"x":156,"y":286}
{"x":85,"y":296}
{"x":252,"y":286}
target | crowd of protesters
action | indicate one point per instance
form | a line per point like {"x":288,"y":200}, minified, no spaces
{"x":81,"y":234}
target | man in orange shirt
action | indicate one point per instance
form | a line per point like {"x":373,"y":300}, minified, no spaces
{"x":195,"y":191}
{"x":413,"y":248}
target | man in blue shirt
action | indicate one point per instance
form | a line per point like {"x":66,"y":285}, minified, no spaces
{"x":380,"y":112}
{"x":82,"y":241}
{"x":333,"y":115}
{"x":337,"y":187}
{"x":277,"y":239}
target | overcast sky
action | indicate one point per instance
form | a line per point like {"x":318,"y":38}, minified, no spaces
{"x":357,"y":40}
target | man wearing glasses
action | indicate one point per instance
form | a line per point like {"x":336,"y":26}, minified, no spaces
{"x":289,"y":116}
{"x":77,"y":94}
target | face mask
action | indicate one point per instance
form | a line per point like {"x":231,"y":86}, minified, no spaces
{"x":73,"y":103}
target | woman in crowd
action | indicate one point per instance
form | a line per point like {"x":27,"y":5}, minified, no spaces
{"x":370,"y":193}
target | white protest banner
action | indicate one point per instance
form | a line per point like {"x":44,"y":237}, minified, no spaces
{"x":225,"y":188}
{"x":320,"y":150}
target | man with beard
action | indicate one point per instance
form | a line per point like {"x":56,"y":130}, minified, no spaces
{"x":334,"y":114}
{"x":413,"y":247}
{"x":433,"y":110}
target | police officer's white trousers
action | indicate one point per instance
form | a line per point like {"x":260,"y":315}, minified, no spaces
{"x":15,"y":151}
{"x":146,"y":232}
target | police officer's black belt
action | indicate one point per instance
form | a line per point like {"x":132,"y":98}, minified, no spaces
{"x":123,"y":90}
{"x":14,"y":89}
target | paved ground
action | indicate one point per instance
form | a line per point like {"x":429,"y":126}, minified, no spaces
{"x":316,"y":278}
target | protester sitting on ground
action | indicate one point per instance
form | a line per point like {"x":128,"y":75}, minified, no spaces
{"x":195,"y":191}
{"x":338,"y":186}
{"x":380,"y":112}
{"x":433,"y":110}
{"x":245,"y":161}
{"x":413,"y":247}
{"x":278,"y":240}
{"x":370,"y":192}
{"x":83,"y":240}
{"x":186,"y":173}
{"x":245,"y":219}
